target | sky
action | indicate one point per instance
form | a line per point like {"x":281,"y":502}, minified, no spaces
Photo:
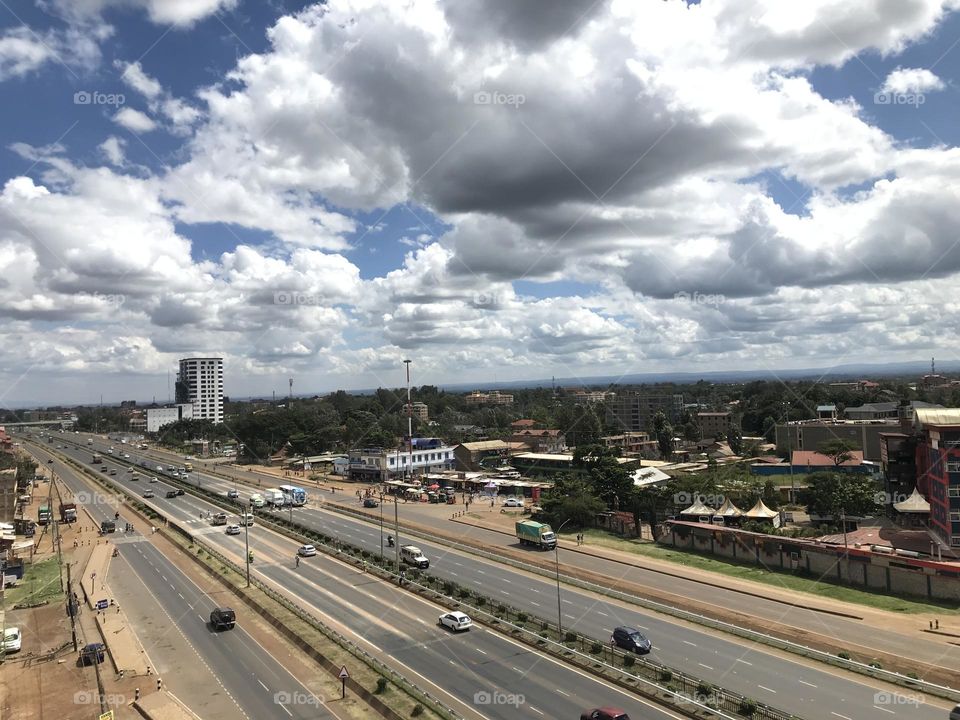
{"x":494,"y":189}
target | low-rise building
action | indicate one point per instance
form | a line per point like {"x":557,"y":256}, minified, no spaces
{"x":494,"y":397}
{"x":541,"y":441}
{"x":381,"y":464}
{"x":807,"y":461}
{"x":632,"y":444}
{"x":158,"y":417}
{"x":418,"y":410}
{"x":873,"y":411}
{"x":714,"y":424}
{"x":471,"y":455}
{"x":827,"y":412}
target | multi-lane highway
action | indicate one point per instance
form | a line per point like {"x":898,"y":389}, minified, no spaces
{"x":797,"y":686}
{"x":243,"y":680}
{"x":469,"y":667}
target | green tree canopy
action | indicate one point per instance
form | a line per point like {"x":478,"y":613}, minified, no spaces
{"x":573,"y":499}
{"x":833,"y":493}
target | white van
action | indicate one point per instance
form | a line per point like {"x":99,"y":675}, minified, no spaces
{"x":257,"y":501}
{"x":411,"y":555}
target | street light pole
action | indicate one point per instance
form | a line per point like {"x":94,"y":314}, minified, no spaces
{"x":246,"y":542}
{"x":381,"y":528}
{"x":396,"y":531}
{"x":556,"y":556}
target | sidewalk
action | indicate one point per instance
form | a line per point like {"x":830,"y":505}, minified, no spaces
{"x":164,"y":706}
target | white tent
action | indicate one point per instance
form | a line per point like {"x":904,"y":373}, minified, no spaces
{"x":760,"y":512}
{"x":698,"y":508}
{"x":916,"y":503}
{"x":728,"y":510}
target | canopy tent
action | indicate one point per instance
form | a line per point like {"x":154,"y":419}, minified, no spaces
{"x":760,"y":512}
{"x":728,"y":510}
{"x":491,"y":485}
{"x":698,"y":508}
{"x":434,"y":486}
{"x":916,"y":503}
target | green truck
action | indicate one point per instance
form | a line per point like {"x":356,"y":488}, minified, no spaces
{"x":530,"y":532}
{"x":43,"y":514}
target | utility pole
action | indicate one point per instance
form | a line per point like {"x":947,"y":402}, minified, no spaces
{"x":409,"y":418}
{"x":73,"y":607}
{"x":396,"y":532}
{"x":246,"y":542}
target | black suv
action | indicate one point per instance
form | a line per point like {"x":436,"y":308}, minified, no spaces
{"x":171,"y":493}
{"x":630,"y":639}
{"x":223,"y":619}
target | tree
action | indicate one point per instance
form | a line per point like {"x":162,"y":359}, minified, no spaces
{"x":770,"y":429}
{"x":664,"y":435}
{"x":571,"y":499}
{"x":735,"y":439}
{"x":838,"y":450}
{"x":833,"y":493}
{"x":608,"y":479}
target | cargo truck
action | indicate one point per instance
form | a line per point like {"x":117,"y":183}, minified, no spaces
{"x":96,"y":459}
{"x":530,"y":532}
{"x":68,"y":512}
{"x":43,"y":514}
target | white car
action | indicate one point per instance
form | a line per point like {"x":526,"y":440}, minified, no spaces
{"x":11,"y":639}
{"x":233,"y":529}
{"x":148,"y":493}
{"x":153,"y":479}
{"x":306,"y":551}
{"x":513,"y":502}
{"x":456,"y":621}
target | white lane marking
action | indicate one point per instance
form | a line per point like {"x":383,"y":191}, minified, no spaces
{"x":808,"y":683}
{"x":572,"y":617}
{"x":885,"y":710}
{"x":690,"y":643}
{"x":751,"y":664}
{"x":535,"y":604}
{"x":561,"y":692}
{"x":285,"y":710}
{"x":602,"y":613}
{"x":534,"y":709}
{"x":842,"y":717}
{"x":767,"y":689}
{"x":262,"y":685}
{"x":705,"y":666}
{"x":482,"y":652}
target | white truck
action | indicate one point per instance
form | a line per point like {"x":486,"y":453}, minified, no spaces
{"x":274,"y":497}
{"x":411,"y":555}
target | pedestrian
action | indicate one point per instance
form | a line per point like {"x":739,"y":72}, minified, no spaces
{"x":118,"y":608}
{"x":159,"y":684}
{"x":149,"y":671}
{"x":298,"y":560}
{"x":136,"y":694}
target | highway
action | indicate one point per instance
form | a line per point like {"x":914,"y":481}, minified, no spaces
{"x":395,"y":624}
{"x":803,"y":688}
{"x":243,"y":679}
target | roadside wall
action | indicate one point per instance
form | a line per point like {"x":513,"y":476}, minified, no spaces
{"x":848,"y":566}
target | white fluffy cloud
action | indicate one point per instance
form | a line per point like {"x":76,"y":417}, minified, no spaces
{"x":912,"y":80}
{"x":134,"y":120}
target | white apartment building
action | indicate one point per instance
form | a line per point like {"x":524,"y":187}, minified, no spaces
{"x":158,"y":417}
{"x":200,"y":383}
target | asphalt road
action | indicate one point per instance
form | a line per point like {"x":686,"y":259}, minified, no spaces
{"x":404,"y":627}
{"x":250,"y":678}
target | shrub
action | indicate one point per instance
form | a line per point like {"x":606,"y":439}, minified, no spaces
{"x":448,"y":588}
{"x":381,"y":685}
{"x":629,"y":660}
{"x":843,"y":655}
{"x":666,"y":675}
{"x":481,"y":601}
{"x":502,"y":609}
{"x":596,"y":648}
{"x":748,"y":707}
{"x":704,"y":688}
{"x":464,"y":593}
{"x":521,"y":617}
{"x":876,"y":664}
{"x":417,"y":710}
{"x":570,"y":636}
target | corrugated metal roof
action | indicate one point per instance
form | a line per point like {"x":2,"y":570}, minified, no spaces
{"x":938,"y":416}
{"x":485,"y":445}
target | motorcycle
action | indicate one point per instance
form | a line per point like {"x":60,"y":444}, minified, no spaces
{"x":389,"y":540}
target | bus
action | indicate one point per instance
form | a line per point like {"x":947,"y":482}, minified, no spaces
{"x":294,"y":495}
{"x":188,"y":467}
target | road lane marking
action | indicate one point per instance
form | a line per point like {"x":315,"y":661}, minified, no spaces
{"x":561,"y":692}
{"x":767,"y":689}
{"x":808,"y":683}
{"x":690,"y":643}
{"x":262,"y":685}
{"x":842,"y":717}
{"x":751,"y":664}
{"x":534,"y":709}
{"x":885,"y":710}
{"x":705,"y":666}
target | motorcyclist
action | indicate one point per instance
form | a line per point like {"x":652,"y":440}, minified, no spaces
{"x":250,"y":556}
{"x":389,"y":540}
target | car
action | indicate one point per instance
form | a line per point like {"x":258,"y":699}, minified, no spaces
{"x":306,"y":551}
{"x":604,"y":713}
{"x":233,"y":529}
{"x":153,"y":478}
{"x":370,"y":502}
{"x":103,"y":468}
{"x":456,"y":621}
{"x":170,"y":468}
{"x":93,"y":654}
{"x":219,"y":519}
{"x":113,"y":472}
{"x":233,"y":494}
{"x":513,"y":502}
{"x":223,"y":618}
{"x":148,"y":493}
{"x":129,"y":469}
{"x":11,"y":639}
{"x":171,"y":494}
{"x":247,"y":520}
{"x":630,"y":639}
{"x":127,"y":455}
{"x":159,"y":468}
{"x":179,"y":492}
{"x":955,"y":713}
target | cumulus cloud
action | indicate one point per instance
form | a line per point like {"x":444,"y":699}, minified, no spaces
{"x":112,"y":149}
{"x":911,"y":80}
{"x":134,"y":120}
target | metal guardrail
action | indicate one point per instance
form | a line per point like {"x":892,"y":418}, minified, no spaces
{"x":754,"y":635}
